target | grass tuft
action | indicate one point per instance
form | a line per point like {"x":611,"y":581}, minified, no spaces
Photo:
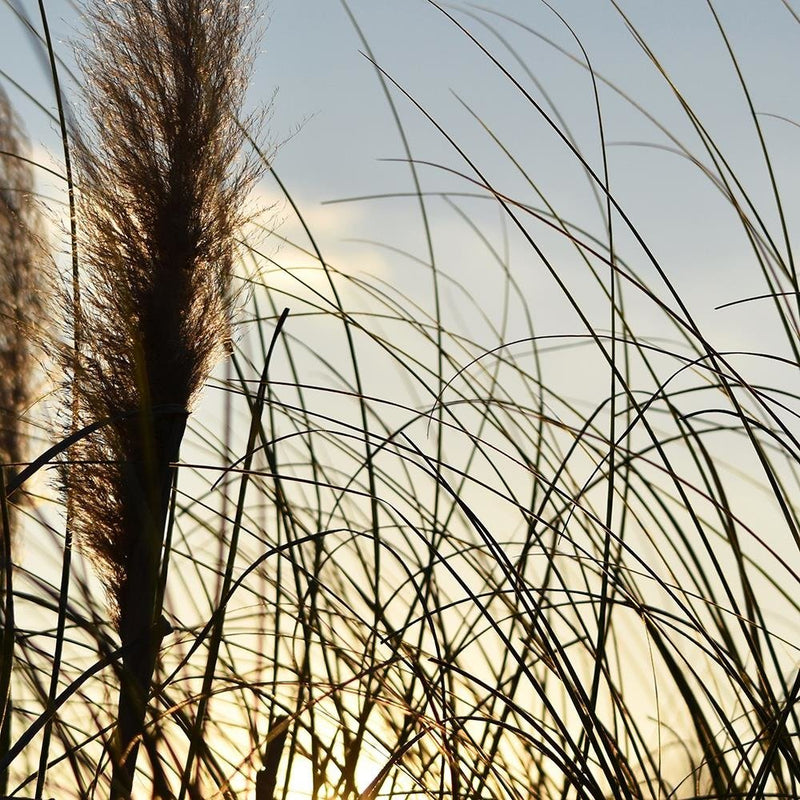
{"x":22,"y":256}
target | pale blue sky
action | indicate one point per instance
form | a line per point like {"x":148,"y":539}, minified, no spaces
{"x":335,"y":126}
{"x":309,"y":53}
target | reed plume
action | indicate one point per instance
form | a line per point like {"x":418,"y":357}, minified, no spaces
{"x":21,"y":258}
{"x":162,"y":186}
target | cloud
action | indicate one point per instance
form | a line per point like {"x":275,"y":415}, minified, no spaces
{"x":285,"y":259}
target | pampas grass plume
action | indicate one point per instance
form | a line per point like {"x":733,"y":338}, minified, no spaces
{"x":163,"y":187}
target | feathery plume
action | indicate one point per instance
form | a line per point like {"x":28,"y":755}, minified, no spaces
{"x":162,"y":186}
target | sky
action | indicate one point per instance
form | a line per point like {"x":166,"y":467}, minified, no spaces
{"x":334,"y":133}
{"x":332,"y":136}
{"x":329,"y":106}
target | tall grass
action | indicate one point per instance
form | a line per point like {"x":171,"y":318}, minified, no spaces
{"x":410,"y":556}
{"x":160,"y":201}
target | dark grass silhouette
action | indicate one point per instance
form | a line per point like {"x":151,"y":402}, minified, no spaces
{"x":404,"y":560}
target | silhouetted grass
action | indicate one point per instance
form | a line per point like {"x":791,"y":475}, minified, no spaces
{"x":419,"y":544}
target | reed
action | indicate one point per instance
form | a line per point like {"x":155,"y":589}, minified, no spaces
{"x":23,"y":285}
{"x":162,"y":193}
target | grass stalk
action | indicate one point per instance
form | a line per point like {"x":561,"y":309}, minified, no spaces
{"x":66,"y":565}
{"x":161,"y":197}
